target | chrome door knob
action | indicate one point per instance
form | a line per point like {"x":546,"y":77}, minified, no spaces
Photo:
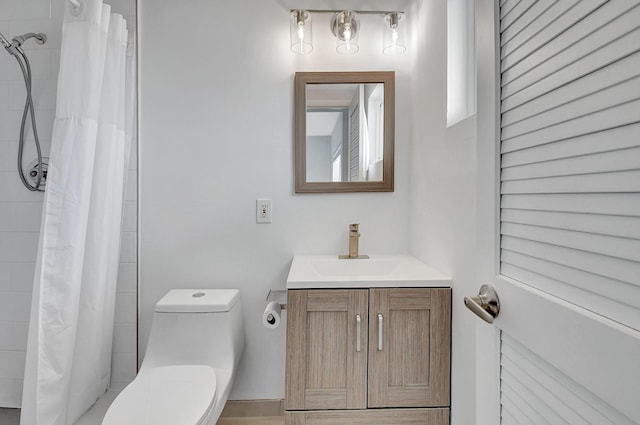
{"x":485,"y":305}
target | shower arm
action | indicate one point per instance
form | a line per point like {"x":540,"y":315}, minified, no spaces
{"x":5,"y":43}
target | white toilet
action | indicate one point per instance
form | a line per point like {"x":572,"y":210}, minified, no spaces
{"x":196,"y":342}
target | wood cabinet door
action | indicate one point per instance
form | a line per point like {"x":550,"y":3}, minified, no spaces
{"x":409,"y":347}
{"x":324,"y":368}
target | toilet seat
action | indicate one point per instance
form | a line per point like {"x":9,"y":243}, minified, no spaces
{"x":167,"y":395}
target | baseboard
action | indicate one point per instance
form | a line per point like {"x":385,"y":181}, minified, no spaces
{"x":252,"y":408}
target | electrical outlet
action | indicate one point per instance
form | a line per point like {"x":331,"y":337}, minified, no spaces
{"x":263,"y":210}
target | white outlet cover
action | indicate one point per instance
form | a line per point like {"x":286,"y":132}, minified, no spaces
{"x":263,"y":211}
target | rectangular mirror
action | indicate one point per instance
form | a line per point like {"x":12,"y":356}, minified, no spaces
{"x":344,"y":129}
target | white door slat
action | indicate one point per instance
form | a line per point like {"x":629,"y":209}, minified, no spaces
{"x":507,"y":5}
{"x":603,"y":141}
{"x":525,"y":384}
{"x":622,"y":204}
{"x":567,"y":40}
{"x":622,"y":226}
{"x":599,"y":301}
{"x":544,"y":31}
{"x":590,"y":408}
{"x":581,"y":60}
{"x":604,"y":162}
{"x":515,"y":26}
{"x":575,"y":280}
{"x":535,"y":399}
{"x":617,"y":73}
{"x":510,"y":418}
{"x":624,"y":92}
{"x":624,"y":248}
{"x":508,"y":17}
{"x":620,"y":115}
{"x":521,"y":404}
{"x":611,"y":267}
{"x":620,"y":182}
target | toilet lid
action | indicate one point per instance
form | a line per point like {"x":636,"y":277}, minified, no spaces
{"x":167,"y":395}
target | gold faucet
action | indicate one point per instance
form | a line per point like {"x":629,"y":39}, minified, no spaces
{"x":354,"y":235}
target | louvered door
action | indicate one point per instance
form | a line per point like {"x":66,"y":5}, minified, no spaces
{"x":559,"y":206}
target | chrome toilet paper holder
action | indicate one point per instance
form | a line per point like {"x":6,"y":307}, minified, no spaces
{"x":279,"y":296}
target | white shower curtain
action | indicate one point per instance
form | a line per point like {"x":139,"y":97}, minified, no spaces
{"x":68,"y":362}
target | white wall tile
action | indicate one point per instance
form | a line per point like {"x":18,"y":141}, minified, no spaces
{"x":18,"y":246}
{"x":6,"y":336}
{"x":10,"y":392}
{"x":15,"y":307}
{"x":4,"y":95}
{"x":128,"y":247}
{"x":131,"y":192}
{"x":9,"y":124}
{"x":5,"y":276}
{"x":5,"y":163}
{"x":26,"y":216}
{"x":130,"y":218}
{"x":20,"y":334}
{"x":125,"y":308}
{"x":22,"y":276}
{"x":127,"y":278}
{"x":25,"y":9}
{"x":12,"y":364}
{"x":123,"y":367}
{"x":124,"y":338}
{"x":5,"y":216}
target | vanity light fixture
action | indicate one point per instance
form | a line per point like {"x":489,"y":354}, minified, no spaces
{"x":300,"y":31}
{"x":345,"y":26}
{"x":394,"y":35}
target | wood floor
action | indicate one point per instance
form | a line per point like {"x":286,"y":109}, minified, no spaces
{"x":12,"y":417}
{"x":264,"y":420}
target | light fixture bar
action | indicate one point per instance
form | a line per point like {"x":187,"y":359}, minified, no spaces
{"x":360,"y":12}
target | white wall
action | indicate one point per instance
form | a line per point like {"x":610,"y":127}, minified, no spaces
{"x":20,"y":209}
{"x":216,"y":124}
{"x":443,"y":197}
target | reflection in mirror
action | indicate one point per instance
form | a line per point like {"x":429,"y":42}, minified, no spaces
{"x":345,"y":128}
{"x":344,"y":131}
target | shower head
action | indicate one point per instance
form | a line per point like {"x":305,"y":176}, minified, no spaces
{"x":14,"y":47}
{"x":19,"y":40}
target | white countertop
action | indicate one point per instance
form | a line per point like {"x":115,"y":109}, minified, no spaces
{"x":327,"y":271}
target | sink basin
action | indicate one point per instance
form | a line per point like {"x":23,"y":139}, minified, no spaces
{"x":327,"y":271}
{"x":365,"y":267}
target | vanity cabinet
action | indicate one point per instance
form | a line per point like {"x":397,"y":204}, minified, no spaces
{"x":371,"y":356}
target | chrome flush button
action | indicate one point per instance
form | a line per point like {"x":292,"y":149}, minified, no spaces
{"x":198,"y":295}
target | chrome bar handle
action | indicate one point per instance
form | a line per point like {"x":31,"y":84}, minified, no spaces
{"x":358,"y":332}
{"x":380,"y":318}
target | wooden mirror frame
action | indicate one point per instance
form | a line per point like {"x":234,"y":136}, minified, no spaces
{"x":300,"y":130}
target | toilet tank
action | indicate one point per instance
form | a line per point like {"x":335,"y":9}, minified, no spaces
{"x":197,"y":327}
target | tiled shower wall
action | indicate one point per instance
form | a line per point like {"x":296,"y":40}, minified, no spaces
{"x":20,"y":209}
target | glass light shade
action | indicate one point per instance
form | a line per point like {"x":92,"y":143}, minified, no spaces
{"x":301,"y":32}
{"x":394,"y":36}
{"x":345,"y":27}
